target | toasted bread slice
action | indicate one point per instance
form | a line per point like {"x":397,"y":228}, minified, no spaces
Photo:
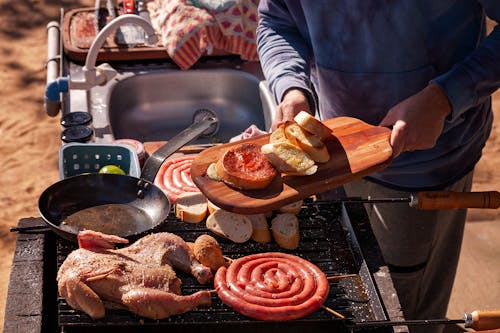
{"x":308,"y":142}
{"x":293,"y":208}
{"x":278,"y":135}
{"x":211,"y":207}
{"x":260,"y":228}
{"x":285,"y":230}
{"x":313,"y":125}
{"x":232,"y":226}
{"x":212,"y":172}
{"x":191,"y":207}
{"x":289,"y":159}
{"x":245,"y":167}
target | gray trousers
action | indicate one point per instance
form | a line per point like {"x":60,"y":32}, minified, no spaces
{"x":421,"y":247}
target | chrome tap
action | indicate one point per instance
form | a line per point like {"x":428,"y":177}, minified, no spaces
{"x":94,"y":76}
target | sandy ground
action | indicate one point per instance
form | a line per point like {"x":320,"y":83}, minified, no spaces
{"x":30,"y":143}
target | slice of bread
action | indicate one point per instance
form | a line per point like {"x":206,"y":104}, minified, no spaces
{"x":232,"y":226}
{"x":191,"y":207}
{"x":313,"y":125}
{"x":260,"y":228}
{"x":208,"y":252}
{"x":289,"y":159}
{"x":212,"y":172}
{"x":293,"y":208}
{"x":245,"y":167}
{"x":285,"y":230}
{"x":308,"y":142}
{"x":211,"y":207}
{"x":278,"y":135}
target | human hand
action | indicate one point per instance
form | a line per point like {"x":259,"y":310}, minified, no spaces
{"x":294,"y":101}
{"x":418,"y":121}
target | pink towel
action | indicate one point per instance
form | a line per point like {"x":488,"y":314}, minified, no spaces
{"x":187,"y":32}
{"x":251,"y":132}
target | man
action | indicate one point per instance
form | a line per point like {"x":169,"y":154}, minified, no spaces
{"x":422,"y":68}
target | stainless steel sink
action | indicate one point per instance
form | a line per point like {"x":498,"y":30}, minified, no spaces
{"x":157,"y":105}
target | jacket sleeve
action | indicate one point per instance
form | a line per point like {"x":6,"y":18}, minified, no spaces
{"x":475,"y":78}
{"x":283,"y":53}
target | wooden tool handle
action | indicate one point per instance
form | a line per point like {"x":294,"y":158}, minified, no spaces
{"x":485,"y":320}
{"x":452,"y":200}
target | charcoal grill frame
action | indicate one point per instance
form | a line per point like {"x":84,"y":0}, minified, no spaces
{"x":356,"y":298}
{"x":33,"y":273}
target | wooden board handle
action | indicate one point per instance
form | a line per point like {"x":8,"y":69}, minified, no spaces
{"x":452,"y":200}
{"x":485,"y":320}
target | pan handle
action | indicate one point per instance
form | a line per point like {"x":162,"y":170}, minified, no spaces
{"x":154,"y":162}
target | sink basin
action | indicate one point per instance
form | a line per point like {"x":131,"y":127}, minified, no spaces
{"x":156,"y":106}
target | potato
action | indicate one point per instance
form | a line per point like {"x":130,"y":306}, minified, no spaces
{"x":208,"y":252}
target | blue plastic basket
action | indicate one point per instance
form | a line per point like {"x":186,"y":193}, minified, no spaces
{"x":78,"y":158}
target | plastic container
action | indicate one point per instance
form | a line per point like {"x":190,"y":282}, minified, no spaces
{"x":137,"y":146}
{"x":78,"y":158}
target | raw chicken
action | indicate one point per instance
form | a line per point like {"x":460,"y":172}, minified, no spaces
{"x":139,"y":277}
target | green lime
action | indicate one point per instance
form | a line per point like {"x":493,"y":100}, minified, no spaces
{"x":114,"y":169}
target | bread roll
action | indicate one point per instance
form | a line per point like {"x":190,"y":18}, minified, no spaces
{"x":208,"y":252}
{"x":232,"y":226}
{"x":289,"y":159}
{"x":191,"y":207}
{"x":308,"y":142}
{"x":285,"y":230}
{"x":312,"y":125}
{"x":293,"y":208}
{"x":260,"y":228}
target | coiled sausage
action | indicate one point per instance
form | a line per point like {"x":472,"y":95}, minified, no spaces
{"x":174,"y":177}
{"x":272,"y":286}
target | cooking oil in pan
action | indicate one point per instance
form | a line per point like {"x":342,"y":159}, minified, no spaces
{"x":112,"y":219}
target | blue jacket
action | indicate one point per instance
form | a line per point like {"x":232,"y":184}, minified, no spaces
{"x":365,"y":56}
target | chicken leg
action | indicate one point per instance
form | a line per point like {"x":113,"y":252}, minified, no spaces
{"x":157,"y":304}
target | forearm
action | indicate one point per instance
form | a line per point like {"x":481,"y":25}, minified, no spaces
{"x":475,"y":78}
{"x":283,"y":53}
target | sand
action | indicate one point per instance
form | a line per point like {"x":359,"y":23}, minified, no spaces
{"x":30,"y":139}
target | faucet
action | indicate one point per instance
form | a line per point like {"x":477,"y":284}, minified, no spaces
{"x":92,"y":75}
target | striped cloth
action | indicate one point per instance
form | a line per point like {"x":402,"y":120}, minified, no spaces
{"x":187,"y":32}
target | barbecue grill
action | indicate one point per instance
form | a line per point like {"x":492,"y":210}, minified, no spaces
{"x":327,"y":240}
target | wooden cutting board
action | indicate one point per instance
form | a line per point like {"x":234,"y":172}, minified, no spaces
{"x":78,"y":33}
{"x":356,"y":149}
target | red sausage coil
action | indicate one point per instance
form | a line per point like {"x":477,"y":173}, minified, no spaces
{"x":174,"y":177}
{"x":272,"y":286}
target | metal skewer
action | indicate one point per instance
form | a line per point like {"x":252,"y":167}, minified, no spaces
{"x":478,"y":320}
{"x":373,"y":324}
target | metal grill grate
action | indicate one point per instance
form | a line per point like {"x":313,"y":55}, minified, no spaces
{"x":324,"y":241}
